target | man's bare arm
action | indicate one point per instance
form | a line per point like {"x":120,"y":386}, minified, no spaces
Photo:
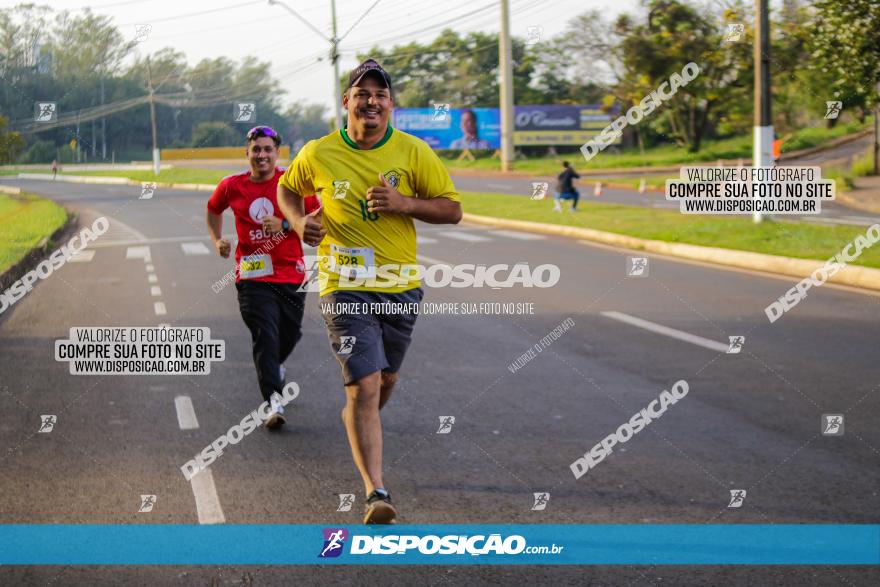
{"x":215,"y":229}
{"x":307,"y":226}
{"x":435,"y":211}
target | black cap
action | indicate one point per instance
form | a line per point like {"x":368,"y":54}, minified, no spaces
{"x":368,"y":66}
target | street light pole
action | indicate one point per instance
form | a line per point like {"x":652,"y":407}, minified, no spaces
{"x":762,"y":150}
{"x":334,"y":49}
{"x":334,"y":58}
{"x":505,"y":73}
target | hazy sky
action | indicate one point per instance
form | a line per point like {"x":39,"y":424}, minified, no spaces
{"x":235,"y":28}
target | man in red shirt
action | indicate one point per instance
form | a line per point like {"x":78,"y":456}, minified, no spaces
{"x":269,"y":262}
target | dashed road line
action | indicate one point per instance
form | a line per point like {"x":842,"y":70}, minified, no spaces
{"x":667,"y":331}
{"x":207,"y":502}
{"x":186,"y":414}
{"x":464,"y":236}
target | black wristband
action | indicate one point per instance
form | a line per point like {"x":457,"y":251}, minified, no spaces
{"x":285,"y":225}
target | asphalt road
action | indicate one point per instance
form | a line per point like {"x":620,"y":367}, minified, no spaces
{"x":750,"y":421}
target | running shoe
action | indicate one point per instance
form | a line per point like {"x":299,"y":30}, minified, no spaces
{"x":379,"y":509}
{"x":276,"y":412}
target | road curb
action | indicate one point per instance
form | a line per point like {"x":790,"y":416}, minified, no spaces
{"x":861,"y":277}
{"x":32,"y":257}
{"x":98,"y":179}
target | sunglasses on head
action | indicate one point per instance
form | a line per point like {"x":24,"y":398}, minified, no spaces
{"x":261,"y":131}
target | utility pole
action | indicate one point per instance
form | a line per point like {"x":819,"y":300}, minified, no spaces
{"x":103,"y":125}
{"x":505,"y":75}
{"x":877,"y":131}
{"x":334,"y":49}
{"x":762,"y":150}
{"x":334,"y":59}
{"x":153,"y":118}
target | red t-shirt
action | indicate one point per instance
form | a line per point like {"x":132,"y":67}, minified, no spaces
{"x":273,"y":258}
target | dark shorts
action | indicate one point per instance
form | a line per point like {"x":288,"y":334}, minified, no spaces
{"x":369,"y":331}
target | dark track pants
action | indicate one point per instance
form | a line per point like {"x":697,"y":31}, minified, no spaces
{"x":273,"y":312}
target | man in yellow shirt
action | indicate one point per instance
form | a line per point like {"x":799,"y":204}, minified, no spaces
{"x":373,"y":180}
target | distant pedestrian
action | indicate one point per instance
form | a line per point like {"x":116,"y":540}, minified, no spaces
{"x":565,"y":188}
{"x":54,"y":168}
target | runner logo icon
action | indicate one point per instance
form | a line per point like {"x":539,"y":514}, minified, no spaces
{"x":47,"y":423}
{"x":737,"y":496}
{"x":346,"y":345}
{"x":446,"y":423}
{"x":541,"y":501}
{"x":736,"y":344}
{"x":147,"y":503}
{"x":340,"y":189}
{"x":334,"y":541}
{"x":346,"y":500}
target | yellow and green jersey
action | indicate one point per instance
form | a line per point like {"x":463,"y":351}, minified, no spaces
{"x":363,"y":250}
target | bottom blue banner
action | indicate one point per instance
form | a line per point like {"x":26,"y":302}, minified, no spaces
{"x":619,"y":544}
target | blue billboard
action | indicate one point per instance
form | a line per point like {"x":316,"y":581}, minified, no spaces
{"x":454,"y":128}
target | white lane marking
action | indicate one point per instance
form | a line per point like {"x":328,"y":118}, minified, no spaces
{"x":432,"y":260}
{"x":426,"y":240}
{"x":151,"y":278}
{"x":155,"y":291}
{"x":463,"y":236}
{"x":665,"y":330}
{"x":150,"y":268}
{"x":159,"y":308}
{"x":523,"y":236}
{"x":194,"y":248}
{"x":186,"y":414}
{"x":83,"y":256}
{"x":139,"y":253}
{"x":207,"y":502}
{"x":152,"y":241}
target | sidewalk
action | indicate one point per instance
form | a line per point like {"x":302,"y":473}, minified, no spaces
{"x":865,"y":196}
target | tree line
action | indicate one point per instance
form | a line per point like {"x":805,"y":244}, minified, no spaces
{"x":821,"y":50}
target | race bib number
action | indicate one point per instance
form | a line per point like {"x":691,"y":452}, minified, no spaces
{"x":352,"y":262}
{"x":255,"y":266}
